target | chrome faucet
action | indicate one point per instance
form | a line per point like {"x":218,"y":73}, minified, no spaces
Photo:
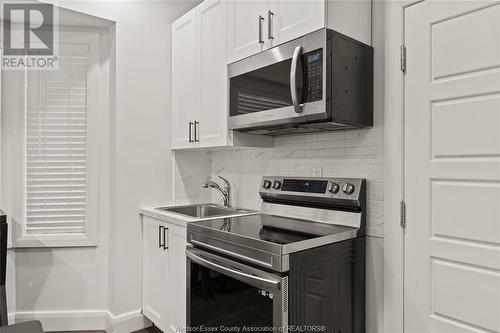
{"x":225,"y":192}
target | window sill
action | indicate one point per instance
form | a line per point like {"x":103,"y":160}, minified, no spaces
{"x":51,"y":241}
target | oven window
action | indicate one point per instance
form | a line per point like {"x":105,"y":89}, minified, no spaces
{"x":263,"y":89}
{"x":219,"y":302}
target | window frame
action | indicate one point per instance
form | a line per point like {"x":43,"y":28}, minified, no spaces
{"x":91,"y":235}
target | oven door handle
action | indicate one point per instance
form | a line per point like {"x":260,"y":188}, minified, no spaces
{"x":232,"y":272}
{"x":293,"y":80}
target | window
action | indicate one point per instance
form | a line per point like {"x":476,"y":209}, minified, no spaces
{"x":60,"y":194}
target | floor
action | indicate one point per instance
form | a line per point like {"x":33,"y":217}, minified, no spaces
{"x":147,"y":330}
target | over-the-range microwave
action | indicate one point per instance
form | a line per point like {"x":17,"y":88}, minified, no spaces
{"x":322,"y":81}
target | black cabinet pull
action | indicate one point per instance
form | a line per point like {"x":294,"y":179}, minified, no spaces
{"x":261,"y":20}
{"x":190,"y":136}
{"x":196,"y":134}
{"x":165,"y":237}
{"x":270,"y":20}
{"x":159,"y":236}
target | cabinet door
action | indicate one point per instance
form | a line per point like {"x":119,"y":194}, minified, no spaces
{"x":176,"y":305}
{"x":212,"y":73}
{"x":244,"y":22}
{"x":154,"y":270}
{"x":183,"y":79}
{"x":293,"y":19}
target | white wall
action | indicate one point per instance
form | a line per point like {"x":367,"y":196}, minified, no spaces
{"x":73,"y":288}
{"x":339,"y":154}
{"x":141,"y":159}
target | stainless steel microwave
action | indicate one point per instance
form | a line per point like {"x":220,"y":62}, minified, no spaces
{"x":319,"y":82}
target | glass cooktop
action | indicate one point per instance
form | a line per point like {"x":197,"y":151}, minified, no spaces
{"x":274,"y":229}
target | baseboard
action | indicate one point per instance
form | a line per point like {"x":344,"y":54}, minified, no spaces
{"x":11,"y":318}
{"x":85,"y":320}
{"x":127,"y":322}
{"x":66,"y":320}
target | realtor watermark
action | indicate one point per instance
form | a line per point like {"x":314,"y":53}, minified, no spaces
{"x":29,"y":36}
{"x":244,"y":328}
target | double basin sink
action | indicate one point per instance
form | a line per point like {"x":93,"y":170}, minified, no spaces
{"x":204,"y":210}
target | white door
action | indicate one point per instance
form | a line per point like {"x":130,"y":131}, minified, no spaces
{"x":293,"y":19}
{"x":177,"y":242}
{"x":184,"y":80}
{"x":247,"y":33}
{"x":452,"y":110}
{"x":155,"y":265}
{"x":212,"y":73}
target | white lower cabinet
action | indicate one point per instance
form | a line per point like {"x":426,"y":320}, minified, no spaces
{"x":164,"y":274}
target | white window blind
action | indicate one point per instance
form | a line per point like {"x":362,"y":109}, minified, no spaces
{"x":56,"y":145}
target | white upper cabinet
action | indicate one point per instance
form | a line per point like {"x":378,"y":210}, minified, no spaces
{"x":255,"y":26}
{"x":248,"y":28}
{"x":212,"y":73}
{"x":351,"y":18}
{"x":184,"y":104}
{"x":288,"y":20}
{"x":218,"y":32}
{"x":200,"y":83}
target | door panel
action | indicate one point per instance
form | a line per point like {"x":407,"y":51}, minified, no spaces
{"x":452,"y":255}
{"x":212,"y":71}
{"x":448,"y":279}
{"x":478,"y":30}
{"x":243,"y":34}
{"x":184,"y":77}
{"x":293,"y":19}
{"x":154,"y":274}
{"x":459,"y":140}
{"x":176,"y":291}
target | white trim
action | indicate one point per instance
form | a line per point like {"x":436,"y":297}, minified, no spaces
{"x":394,"y":168}
{"x":66,"y":320}
{"x":11,"y":318}
{"x":85,"y":320}
{"x":127,"y":322}
{"x":94,"y":134}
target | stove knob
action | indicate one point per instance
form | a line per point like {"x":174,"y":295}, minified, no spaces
{"x":277,"y":185}
{"x":348,"y":188}
{"x":267,"y":184}
{"x":333,"y":188}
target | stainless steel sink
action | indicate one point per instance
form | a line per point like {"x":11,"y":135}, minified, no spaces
{"x":204,"y":210}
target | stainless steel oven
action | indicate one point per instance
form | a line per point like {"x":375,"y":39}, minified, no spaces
{"x":223,"y":294}
{"x":321,"y":81}
{"x":266,"y":272}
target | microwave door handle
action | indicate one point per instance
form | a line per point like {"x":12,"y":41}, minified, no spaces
{"x":293,"y":80}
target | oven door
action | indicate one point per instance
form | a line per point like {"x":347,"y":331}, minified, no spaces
{"x":223,"y":294}
{"x":283,"y":85}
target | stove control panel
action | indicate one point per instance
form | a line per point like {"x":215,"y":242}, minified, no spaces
{"x":335,"y":188}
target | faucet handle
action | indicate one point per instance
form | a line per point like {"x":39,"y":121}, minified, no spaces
{"x":228,"y":184}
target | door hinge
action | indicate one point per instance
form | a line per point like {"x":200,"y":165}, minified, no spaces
{"x":403,"y":58}
{"x":402,"y":210}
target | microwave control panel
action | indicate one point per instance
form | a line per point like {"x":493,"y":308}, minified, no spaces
{"x":314,"y":75}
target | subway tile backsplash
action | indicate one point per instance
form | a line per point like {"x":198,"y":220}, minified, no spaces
{"x":339,"y":154}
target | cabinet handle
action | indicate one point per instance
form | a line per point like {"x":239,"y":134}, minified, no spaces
{"x":196,"y":131}
{"x":261,"y":19}
{"x":190,"y":136}
{"x":165,"y":238}
{"x":270,"y":20}
{"x":159,"y":236}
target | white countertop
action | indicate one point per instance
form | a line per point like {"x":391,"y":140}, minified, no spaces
{"x":181,"y":219}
